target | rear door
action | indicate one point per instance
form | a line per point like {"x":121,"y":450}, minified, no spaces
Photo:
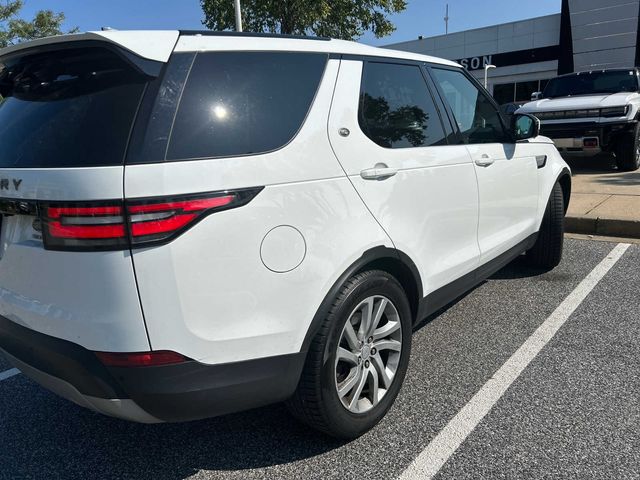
{"x":65,"y":118}
{"x":507,"y":172}
{"x":392,"y":138}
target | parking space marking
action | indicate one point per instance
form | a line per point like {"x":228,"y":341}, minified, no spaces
{"x":443,"y":446}
{"x":9,"y":373}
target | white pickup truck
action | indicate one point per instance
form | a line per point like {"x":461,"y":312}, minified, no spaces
{"x":592,"y":112}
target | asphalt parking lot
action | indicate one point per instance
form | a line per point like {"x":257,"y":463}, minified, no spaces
{"x":573,"y":411}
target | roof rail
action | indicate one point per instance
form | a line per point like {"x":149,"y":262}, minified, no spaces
{"x":212,"y":33}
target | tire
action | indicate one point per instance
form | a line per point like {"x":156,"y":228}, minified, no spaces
{"x":546,"y":254}
{"x":628,"y":152}
{"x":316,"y":401}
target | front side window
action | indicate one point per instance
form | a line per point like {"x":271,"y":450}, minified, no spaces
{"x":477,"y":118}
{"x":243,"y":103}
{"x":396,"y":107}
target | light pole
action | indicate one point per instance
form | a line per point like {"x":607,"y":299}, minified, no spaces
{"x":238,"y":16}
{"x":486,"y":74}
{"x":446,"y":21}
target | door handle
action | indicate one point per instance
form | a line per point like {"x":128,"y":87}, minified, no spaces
{"x":380,"y":172}
{"x":484,"y":161}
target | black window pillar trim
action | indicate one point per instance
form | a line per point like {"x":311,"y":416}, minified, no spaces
{"x":457,"y":138}
{"x":440,"y":106}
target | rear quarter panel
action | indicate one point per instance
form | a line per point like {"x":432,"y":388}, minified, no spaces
{"x":207,"y":294}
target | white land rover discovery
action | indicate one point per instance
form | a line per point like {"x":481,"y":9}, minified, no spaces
{"x":200,"y":223}
{"x":592,"y":112}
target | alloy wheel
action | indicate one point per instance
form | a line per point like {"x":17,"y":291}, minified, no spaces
{"x":368,"y":354}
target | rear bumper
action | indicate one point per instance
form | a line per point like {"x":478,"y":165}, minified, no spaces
{"x":570,"y":138}
{"x":171,"y":393}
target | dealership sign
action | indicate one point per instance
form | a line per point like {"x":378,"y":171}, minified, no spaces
{"x":507,"y":59}
{"x":475,"y":63}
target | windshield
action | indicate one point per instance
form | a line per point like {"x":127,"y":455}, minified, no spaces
{"x":614,"y":81}
{"x":68,"y":108}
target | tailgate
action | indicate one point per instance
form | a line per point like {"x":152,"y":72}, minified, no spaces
{"x":65,"y":120}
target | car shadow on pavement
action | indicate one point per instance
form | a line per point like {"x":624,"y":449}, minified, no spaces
{"x":621,"y":179}
{"x":518,"y":268}
{"x":601,"y":165}
{"x":426,"y":321}
{"x":47,"y":437}
{"x":589,"y":165}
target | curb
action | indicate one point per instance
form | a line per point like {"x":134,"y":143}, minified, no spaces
{"x":603,"y":226}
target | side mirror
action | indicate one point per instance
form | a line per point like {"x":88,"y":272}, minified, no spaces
{"x":536,"y":96}
{"x":524,"y":126}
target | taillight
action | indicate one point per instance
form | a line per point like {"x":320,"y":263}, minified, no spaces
{"x":141,"y":359}
{"x":133,"y":223}
{"x":84,"y":225}
{"x":156,"y":221}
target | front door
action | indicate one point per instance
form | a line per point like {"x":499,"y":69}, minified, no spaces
{"x":507,"y":171}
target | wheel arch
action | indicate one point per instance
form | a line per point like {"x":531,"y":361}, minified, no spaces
{"x":390,"y":260}
{"x":564,"y":180}
{"x":402,"y":268}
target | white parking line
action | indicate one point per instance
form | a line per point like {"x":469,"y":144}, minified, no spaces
{"x":8,"y":373}
{"x":444,"y":445}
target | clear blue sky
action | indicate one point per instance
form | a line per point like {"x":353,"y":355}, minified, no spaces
{"x":422,"y":17}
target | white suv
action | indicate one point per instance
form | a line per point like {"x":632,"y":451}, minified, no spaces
{"x":588,"y":113}
{"x":200,"y":223}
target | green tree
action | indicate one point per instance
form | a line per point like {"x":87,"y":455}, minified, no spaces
{"x":15,"y":30}
{"x":346,"y":19}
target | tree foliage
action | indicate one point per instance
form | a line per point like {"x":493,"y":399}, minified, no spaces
{"x":346,"y":19}
{"x":15,"y":30}
{"x":388,"y":126}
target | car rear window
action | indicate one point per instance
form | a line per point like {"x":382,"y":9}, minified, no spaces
{"x":243,"y":103}
{"x":67,"y":108}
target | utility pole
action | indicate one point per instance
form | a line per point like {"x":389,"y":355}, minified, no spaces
{"x":446,"y":21}
{"x":238,"y":16}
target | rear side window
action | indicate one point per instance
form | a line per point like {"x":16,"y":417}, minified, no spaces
{"x":396,"y":107}
{"x":243,"y":103}
{"x":67,"y":108}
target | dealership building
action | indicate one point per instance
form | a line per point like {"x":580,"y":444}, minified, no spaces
{"x":586,"y":35}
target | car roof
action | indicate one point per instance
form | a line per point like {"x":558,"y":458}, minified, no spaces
{"x":598,"y":70}
{"x":159,"y":44}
